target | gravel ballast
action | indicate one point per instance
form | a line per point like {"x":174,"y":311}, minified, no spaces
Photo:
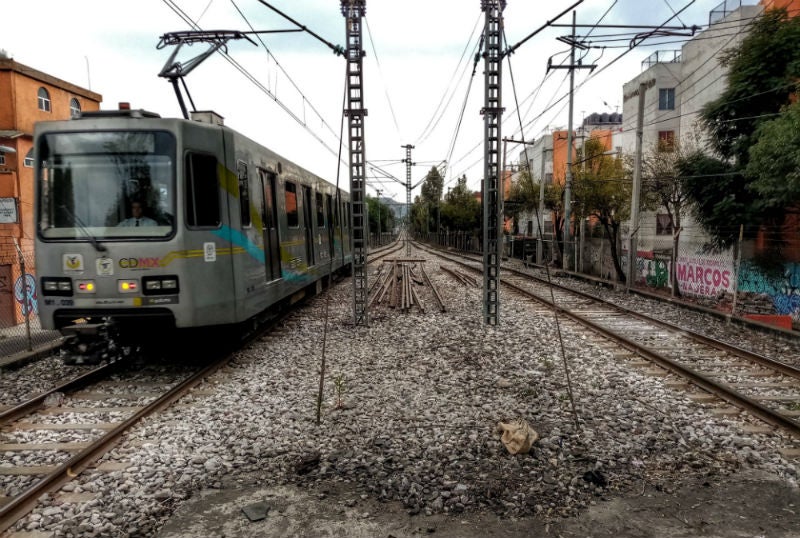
{"x":410,"y":410}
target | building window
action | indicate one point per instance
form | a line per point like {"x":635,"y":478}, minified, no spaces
{"x":74,"y":107}
{"x":548,"y":179}
{"x":28,"y":161}
{"x":44,"y":100}
{"x":2,"y":158}
{"x":666,"y":99}
{"x":666,"y":140}
{"x":663,"y":225}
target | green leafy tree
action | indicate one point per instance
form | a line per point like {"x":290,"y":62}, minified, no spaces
{"x":523,"y":196}
{"x":762,"y":75}
{"x":430,"y":197}
{"x":380,"y":215}
{"x":602,"y":187}
{"x":774,"y":165}
{"x":461,"y":211}
{"x":718,"y":194}
{"x":419,"y":216}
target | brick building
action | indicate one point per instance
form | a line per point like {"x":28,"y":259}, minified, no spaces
{"x":27,"y":96}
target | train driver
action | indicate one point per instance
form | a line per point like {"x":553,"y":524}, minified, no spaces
{"x":137,"y":216}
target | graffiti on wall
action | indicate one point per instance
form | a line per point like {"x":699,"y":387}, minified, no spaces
{"x":25,"y":295}
{"x":697,"y":275}
{"x":783,"y":290}
{"x":704,"y":276}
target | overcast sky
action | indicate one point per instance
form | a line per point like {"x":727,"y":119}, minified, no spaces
{"x":417,"y":70}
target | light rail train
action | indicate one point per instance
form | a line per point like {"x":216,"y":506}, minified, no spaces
{"x":152,"y":224}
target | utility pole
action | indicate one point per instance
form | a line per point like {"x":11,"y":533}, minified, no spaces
{"x":354,"y":11}
{"x":409,"y":164}
{"x":527,"y":160}
{"x":573,"y":41}
{"x":637,"y":185}
{"x":540,"y":220}
{"x":378,"y":192}
{"x":492,"y":111}
{"x":568,"y":181}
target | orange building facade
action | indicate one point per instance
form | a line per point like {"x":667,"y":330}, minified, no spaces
{"x":27,"y":96}
{"x":792,"y":6}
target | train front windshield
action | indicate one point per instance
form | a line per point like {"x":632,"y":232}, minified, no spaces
{"x":106,"y":185}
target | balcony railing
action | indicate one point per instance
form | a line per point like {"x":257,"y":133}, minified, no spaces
{"x":661,"y":57}
{"x":726,"y":8}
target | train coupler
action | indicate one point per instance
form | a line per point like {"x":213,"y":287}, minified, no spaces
{"x":91,"y":343}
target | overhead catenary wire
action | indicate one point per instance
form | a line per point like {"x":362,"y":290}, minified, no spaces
{"x":171,"y":4}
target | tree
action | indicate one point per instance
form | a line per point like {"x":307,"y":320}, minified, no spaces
{"x":774,"y":164}
{"x":762,"y":75}
{"x":431,"y":196}
{"x":662,"y":187}
{"x":602,"y":188}
{"x":719,"y":197}
{"x":378,"y":210}
{"x":461,"y":210}
{"x":523,"y":196}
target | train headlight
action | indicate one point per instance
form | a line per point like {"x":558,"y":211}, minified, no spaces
{"x":128,"y":286}
{"x":160,"y":285}
{"x":57,"y":286}
{"x":85,"y":286}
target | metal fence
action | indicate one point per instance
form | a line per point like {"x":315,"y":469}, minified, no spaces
{"x":20,"y":331}
{"x":747,"y":280}
{"x":736,"y":281}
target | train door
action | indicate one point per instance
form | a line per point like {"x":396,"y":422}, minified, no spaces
{"x":329,"y":212}
{"x":269,"y":219}
{"x":308,"y":205}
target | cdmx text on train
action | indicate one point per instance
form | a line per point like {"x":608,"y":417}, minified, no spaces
{"x":149,"y":225}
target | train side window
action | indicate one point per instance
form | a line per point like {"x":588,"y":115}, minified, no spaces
{"x":244,"y":193}
{"x":292,"y":215}
{"x":202,"y":190}
{"x":320,"y":211}
{"x":329,"y":209}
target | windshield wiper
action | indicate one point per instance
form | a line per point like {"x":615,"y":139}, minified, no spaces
{"x":92,"y":239}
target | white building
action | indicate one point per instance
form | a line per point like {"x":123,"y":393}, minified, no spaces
{"x":677,"y":85}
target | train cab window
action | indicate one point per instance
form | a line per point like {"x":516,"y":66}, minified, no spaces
{"x":292,"y":215}
{"x":320,"y":210}
{"x":87,"y":182}
{"x":202,"y":191}
{"x":244,"y":193}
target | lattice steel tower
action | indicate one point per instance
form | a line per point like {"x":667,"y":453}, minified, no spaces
{"x":354,"y":11}
{"x":409,"y":164}
{"x":492,"y":185}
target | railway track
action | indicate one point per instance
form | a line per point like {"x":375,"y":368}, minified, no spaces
{"x":764,"y":387}
{"x":100,"y":406}
{"x":57,"y":435}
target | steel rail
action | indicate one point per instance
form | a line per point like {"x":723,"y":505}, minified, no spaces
{"x":31,"y":405}
{"x":720,"y":390}
{"x":25,"y":502}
